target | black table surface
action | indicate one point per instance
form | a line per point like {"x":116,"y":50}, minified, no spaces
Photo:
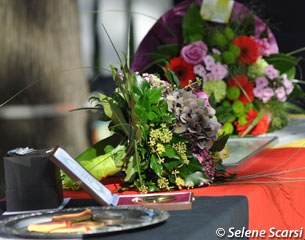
{"x":201,"y":222}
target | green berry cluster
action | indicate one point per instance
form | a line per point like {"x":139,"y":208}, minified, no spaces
{"x":232,"y":110}
{"x":223,"y":41}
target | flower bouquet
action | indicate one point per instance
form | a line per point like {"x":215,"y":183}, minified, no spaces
{"x":164,"y":137}
{"x":236,"y":63}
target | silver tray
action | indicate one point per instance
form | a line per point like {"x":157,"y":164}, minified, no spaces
{"x":116,"y":218}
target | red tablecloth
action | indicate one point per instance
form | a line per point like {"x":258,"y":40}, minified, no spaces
{"x":274,"y":201}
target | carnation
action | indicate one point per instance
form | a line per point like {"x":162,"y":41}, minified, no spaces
{"x":257,"y":69}
{"x":215,"y":88}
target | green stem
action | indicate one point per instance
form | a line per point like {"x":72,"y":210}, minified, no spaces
{"x":254,"y":122}
{"x":297,"y":51}
{"x":136,"y":155}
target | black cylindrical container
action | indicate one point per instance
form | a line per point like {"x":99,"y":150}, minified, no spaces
{"x":32,"y":181}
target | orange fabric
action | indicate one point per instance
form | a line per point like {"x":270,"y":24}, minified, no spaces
{"x":274,"y":201}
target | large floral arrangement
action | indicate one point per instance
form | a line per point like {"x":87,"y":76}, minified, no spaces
{"x":164,"y":137}
{"x":237,"y":64}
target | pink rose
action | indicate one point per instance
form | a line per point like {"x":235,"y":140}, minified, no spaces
{"x":194,"y":53}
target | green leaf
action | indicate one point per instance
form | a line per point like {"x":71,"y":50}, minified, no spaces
{"x":99,"y":148}
{"x":291,"y":73}
{"x":108,"y":148}
{"x":157,"y":110}
{"x":282,"y":62}
{"x":118,"y":98}
{"x":171,"y":76}
{"x":220,"y":143}
{"x":292,"y":108}
{"x":113,"y":112}
{"x":212,"y":101}
{"x":170,"y":152}
{"x":197,"y":178}
{"x":297,"y":91}
{"x":172,"y":165}
{"x":166,"y":52}
{"x":131,"y":170}
{"x":101,"y":167}
{"x":193,"y":166}
{"x":192,"y":25}
{"x":155,"y":166}
{"x":155,"y":94}
{"x":152,"y":116}
{"x":140,"y":84}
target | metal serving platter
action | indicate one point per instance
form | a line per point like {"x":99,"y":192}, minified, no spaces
{"x":116,"y":219}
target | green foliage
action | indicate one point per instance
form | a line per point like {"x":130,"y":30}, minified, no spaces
{"x":99,"y":148}
{"x":165,"y":52}
{"x":224,"y":113}
{"x":131,"y":170}
{"x":284,"y":63}
{"x":148,"y":148}
{"x":155,"y":166}
{"x":279,"y":116}
{"x":220,"y":143}
{"x":196,"y":178}
{"x":246,"y":25}
{"x":192,"y":25}
{"x":171,"y":76}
